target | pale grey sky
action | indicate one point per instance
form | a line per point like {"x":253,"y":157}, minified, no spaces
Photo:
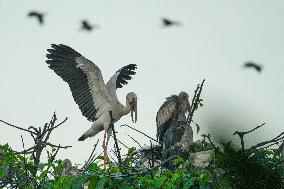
{"x":216,"y":38}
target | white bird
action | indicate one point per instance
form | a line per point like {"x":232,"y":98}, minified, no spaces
{"x":172,"y":110}
{"x":98,"y":102}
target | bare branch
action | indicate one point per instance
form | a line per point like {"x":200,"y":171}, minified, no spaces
{"x":91,"y":156}
{"x":26,"y":170}
{"x":20,"y":128}
{"x":122,"y":143}
{"x":210,"y":141}
{"x":277,"y":139}
{"x":53,"y":157}
{"x":134,"y":140}
{"x":54,"y":127}
{"x":140,"y":132}
{"x":57,"y":146}
{"x":116,"y":146}
{"x":112,"y":157}
{"x":195,"y":101}
{"x":241,"y":134}
{"x":28,"y":151}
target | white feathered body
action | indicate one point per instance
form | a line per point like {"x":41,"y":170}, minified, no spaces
{"x":95,"y":98}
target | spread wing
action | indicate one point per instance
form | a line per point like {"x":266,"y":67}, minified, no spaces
{"x":83,"y":77}
{"x":165,"y":114}
{"x":120,"y":78}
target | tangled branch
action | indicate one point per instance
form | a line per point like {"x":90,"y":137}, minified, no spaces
{"x":195,"y":101}
{"x":242,"y":134}
{"x":41,"y":140}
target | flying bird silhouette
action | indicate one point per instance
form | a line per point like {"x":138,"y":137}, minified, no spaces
{"x":97,"y":101}
{"x":85,"y":25}
{"x":37,"y":15}
{"x":167,"y":22}
{"x":253,"y":65}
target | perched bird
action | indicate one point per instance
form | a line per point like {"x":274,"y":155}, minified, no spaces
{"x":167,"y":22}
{"x":98,"y":102}
{"x":253,"y":65}
{"x":173,"y":110}
{"x":87,"y":26}
{"x":68,"y":169}
{"x":37,"y":15}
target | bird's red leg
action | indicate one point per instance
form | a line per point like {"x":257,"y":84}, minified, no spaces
{"x":105,"y":150}
{"x":107,"y":139}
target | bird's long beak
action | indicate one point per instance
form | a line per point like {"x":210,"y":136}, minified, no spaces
{"x":134,"y":109}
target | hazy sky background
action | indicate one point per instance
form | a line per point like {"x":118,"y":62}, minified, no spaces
{"x":216,"y":38}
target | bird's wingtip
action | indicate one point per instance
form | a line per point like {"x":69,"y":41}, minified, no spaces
{"x":82,"y":138}
{"x":53,"y":45}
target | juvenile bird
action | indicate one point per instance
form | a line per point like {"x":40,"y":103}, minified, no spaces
{"x":68,"y":169}
{"x":172,"y":110}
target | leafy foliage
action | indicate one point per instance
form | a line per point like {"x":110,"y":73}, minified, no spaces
{"x":251,"y":168}
{"x":231,"y":169}
{"x":13,"y":171}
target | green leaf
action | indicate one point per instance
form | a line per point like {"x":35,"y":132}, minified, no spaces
{"x":92,"y":182}
{"x":2,"y":173}
{"x":189,"y":183}
{"x":94,"y":167}
{"x":100,"y":157}
{"x":125,"y":186}
{"x":77,"y":183}
{"x":130,"y":150}
{"x":178,"y":160}
{"x":43,"y":174}
{"x":101,"y":183}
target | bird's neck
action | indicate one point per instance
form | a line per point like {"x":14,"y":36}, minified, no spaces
{"x":127,"y":108}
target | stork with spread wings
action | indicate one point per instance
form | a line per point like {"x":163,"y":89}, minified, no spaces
{"x":97,"y":101}
{"x":173,"y":110}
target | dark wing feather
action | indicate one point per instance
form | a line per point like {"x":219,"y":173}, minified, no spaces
{"x":37,"y":15}
{"x":40,"y":19}
{"x":124,"y":74}
{"x":120,"y":78}
{"x":62,"y":60}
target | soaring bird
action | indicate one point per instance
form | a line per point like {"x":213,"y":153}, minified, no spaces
{"x":98,"y":102}
{"x":173,"y":109}
{"x":87,"y":26}
{"x":37,"y":15}
{"x":167,"y":22}
{"x":253,"y":65}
